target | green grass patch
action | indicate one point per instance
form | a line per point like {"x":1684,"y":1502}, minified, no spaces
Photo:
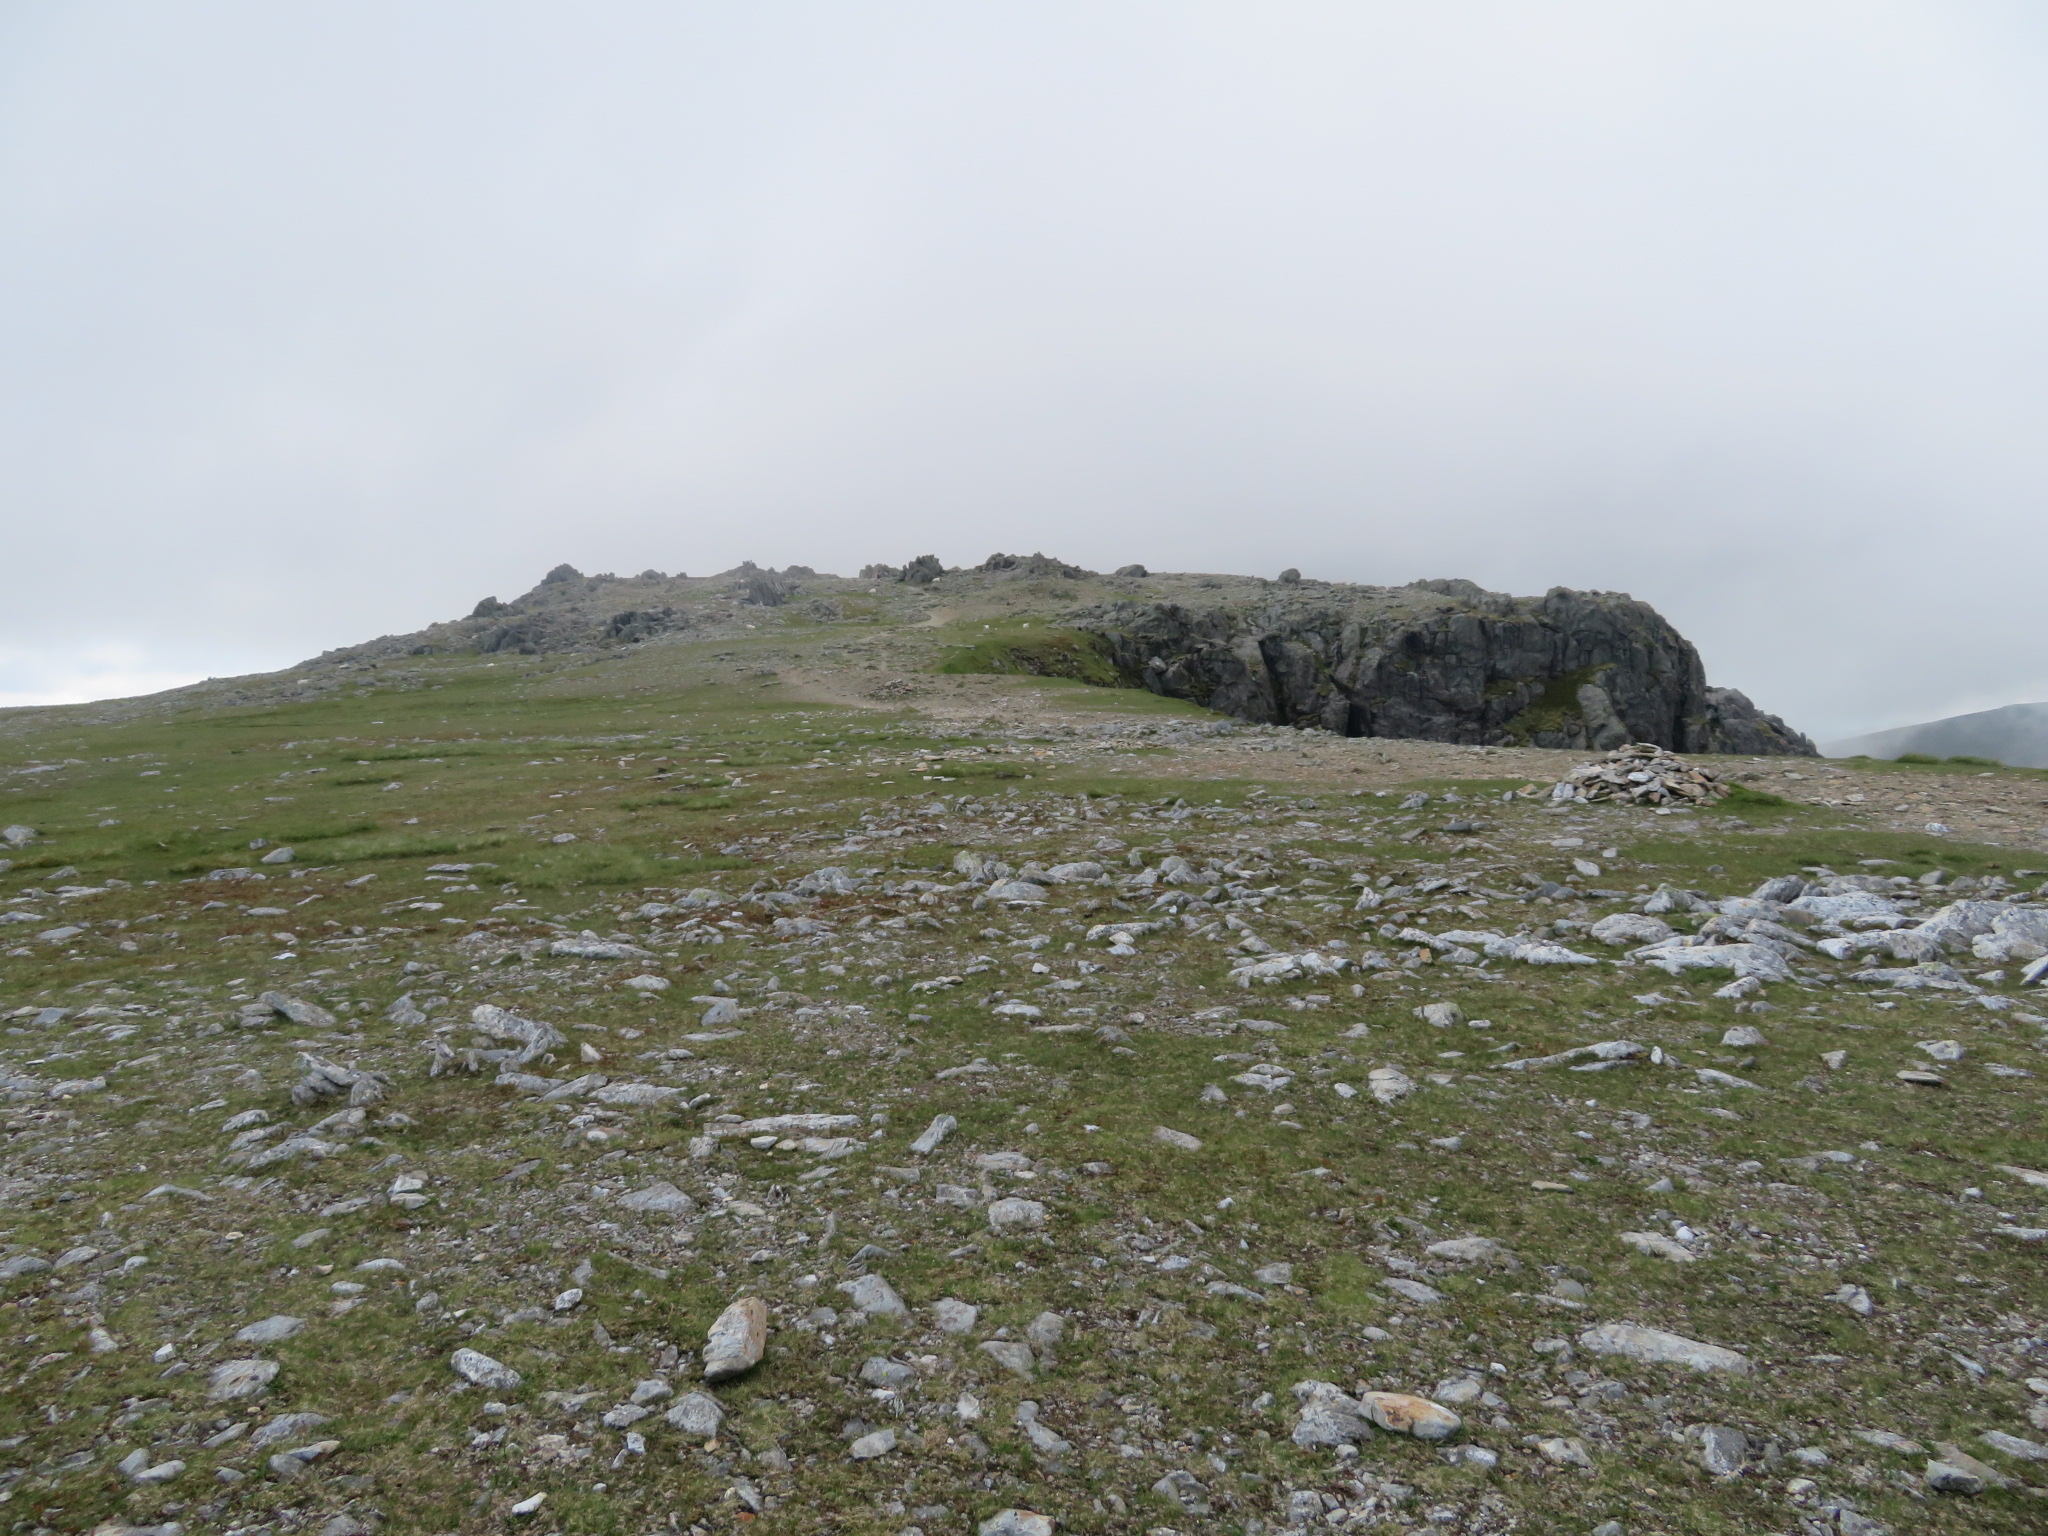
{"x":311,"y":832}
{"x":986,"y":770}
{"x":1072,"y":653}
{"x":1960,"y":761}
{"x":1347,"y":1288}
{"x":1472,"y":791}
{"x":1557,"y":707}
{"x":45,"y":861}
{"x":681,"y":803}
{"x":1741,"y":797}
{"x":1919,"y":762}
{"x":405,"y":845}
{"x":564,"y":866}
{"x":1758,"y":857}
{"x":415,"y":754}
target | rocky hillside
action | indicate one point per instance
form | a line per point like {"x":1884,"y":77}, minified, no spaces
{"x":1433,"y":660}
{"x":656,"y":1094}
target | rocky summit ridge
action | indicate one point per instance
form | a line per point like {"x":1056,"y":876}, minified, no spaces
{"x":1437,"y":660}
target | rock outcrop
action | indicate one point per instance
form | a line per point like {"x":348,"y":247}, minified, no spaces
{"x":1433,"y":660}
{"x":1442,"y":661}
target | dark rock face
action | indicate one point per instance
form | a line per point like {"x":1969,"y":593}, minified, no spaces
{"x":637,"y":624}
{"x":765,"y":589}
{"x":534,"y":634}
{"x":1443,"y":661}
{"x":1739,"y":726}
{"x":528,"y":636}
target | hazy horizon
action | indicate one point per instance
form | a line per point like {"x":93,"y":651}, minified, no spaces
{"x":325,"y":322}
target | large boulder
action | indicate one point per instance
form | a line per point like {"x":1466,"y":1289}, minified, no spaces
{"x":1442,"y":661}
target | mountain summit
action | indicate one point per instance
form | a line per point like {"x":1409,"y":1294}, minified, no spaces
{"x":1439,"y":660}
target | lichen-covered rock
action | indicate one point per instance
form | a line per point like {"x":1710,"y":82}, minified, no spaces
{"x":235,"y":1379}
{"x":697,"y":1415}
{"x":1329,"y":1416}
{"x":1401,"y":1414}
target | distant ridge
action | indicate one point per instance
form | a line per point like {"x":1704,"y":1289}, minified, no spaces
{"x":2016,"y":734}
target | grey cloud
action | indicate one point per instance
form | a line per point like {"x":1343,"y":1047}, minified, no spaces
{"x":319,"y":322}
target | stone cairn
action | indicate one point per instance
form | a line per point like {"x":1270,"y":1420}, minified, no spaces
{"x":1641,"y":774}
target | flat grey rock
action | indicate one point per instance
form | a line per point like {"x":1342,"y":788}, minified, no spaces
{"x":232,"y":1380}
{"x":659,"y":1198}
{"x":874,"y":1297}
{"x":480,"y":1370}
{"x":878,"y":1443}
{"x":1015,"y":1522}
{"x":271,"y":1330}
{"x":286,"y":1426}
{"x":697,"y":1414}
{"x":1473,"y":1250}
{"x":1413,"y":1290}
{"x":1016,"y":890}
{"x":892,"y":1375}
{"x":1657,"y":1246}
{"x":1014,"y":1211}
{"x":2013,"y":1445}
{"x":1012,"y":1356}
{"x":1653,"y":1346}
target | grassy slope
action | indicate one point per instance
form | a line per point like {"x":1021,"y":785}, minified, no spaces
{"x":489,"y":762}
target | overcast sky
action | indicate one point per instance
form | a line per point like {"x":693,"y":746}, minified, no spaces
{"x":323,"y":320}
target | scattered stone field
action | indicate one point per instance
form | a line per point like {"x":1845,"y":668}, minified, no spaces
{"x":749,"y":1080}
